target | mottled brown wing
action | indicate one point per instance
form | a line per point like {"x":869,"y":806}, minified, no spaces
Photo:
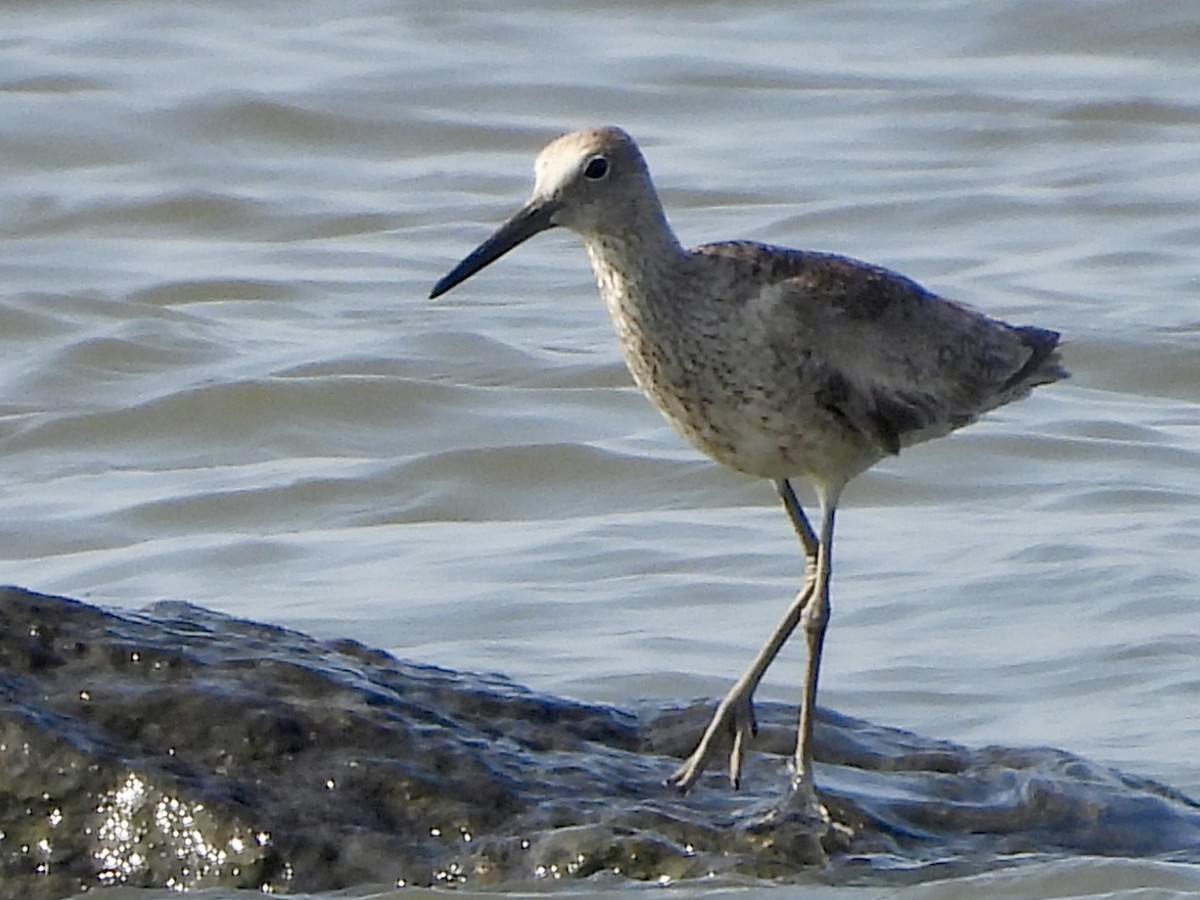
{"x":894,"y":361}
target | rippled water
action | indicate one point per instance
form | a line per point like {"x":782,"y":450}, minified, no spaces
{"x":221,"y":380}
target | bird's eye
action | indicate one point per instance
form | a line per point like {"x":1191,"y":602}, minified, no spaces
{"x":596,"y":168}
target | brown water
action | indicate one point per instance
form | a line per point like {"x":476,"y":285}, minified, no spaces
{"x":221,"y":380}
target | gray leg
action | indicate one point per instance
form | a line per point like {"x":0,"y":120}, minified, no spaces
{"x":735,"y":713}
{"x":815,"y":619}
{"x":804,"y":531}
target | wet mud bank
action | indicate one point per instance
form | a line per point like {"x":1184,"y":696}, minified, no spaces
{"x":176,"y":746}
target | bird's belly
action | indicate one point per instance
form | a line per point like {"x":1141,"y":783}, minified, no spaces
{"x":739,"y":408}
{"x":766,"y":440}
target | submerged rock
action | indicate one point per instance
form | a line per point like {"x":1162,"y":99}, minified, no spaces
{"x":180,"y":747}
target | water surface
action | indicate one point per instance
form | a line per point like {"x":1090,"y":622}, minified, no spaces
{"x":221,"y":381}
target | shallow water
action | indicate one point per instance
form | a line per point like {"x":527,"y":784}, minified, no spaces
{"x":221,"y":380}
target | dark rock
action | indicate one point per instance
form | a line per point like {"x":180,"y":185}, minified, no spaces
{"x":180,"y":747}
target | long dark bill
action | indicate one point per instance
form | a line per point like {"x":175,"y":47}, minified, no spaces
{"x":532,"y":218}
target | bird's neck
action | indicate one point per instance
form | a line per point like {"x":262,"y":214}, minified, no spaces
{"x":631,"y":268}
{"x":636,"y":274}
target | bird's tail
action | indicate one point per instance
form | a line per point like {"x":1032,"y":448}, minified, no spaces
{"x":1044,"y":364}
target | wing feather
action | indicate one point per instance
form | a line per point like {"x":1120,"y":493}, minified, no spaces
{"x":890,"y":359}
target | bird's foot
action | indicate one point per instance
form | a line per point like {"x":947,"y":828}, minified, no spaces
{"x":733,"y":719}
{"x":796,"y":828}
{"x":803,"y":800}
